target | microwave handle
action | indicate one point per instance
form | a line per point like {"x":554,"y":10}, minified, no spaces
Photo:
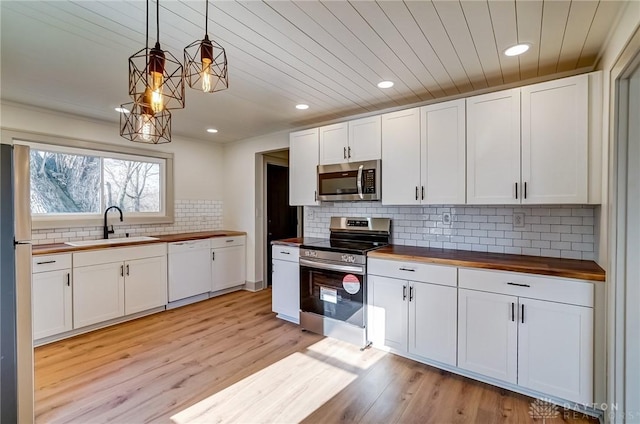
{"x":359,"y":183}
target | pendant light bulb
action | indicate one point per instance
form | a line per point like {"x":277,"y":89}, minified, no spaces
{"x":206,"y":55}
{"x":156,"y":70}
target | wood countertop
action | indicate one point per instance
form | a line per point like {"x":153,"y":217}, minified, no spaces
{"x":49,"y":249}
{"x":567,"y":268}
{"x":297,"y":241}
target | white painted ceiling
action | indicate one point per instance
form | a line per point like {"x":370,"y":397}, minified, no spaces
{"x":72,"y":56}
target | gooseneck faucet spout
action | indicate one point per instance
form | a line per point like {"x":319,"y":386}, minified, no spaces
{"x":106,"y":229}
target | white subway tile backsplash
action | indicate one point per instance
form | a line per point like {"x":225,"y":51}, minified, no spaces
{"x":189,"y":216}
{"x":554,"y":231}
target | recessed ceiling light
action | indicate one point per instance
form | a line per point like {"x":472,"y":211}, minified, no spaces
{"x":302,"y":106}
{"x":122,"y":110}
{"x":517,"y":49}
{"x":212,"y":130}
{"x":385,"y":84}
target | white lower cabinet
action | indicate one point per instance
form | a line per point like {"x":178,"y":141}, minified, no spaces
{"x":112,"y":283}
{"x":415,"y":317}
{"x":487,"y":334}
{"x":98,"y":293}
{"x":51,"y":291}
{"x":228,"y":267}
{"x":285,"y":289}
{"x":543,"y":344}
{"x":145,"y":284}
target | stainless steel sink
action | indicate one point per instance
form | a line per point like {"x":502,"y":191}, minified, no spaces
{"x":103,"y":242}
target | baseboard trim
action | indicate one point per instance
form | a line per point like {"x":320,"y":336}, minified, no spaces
{"x":254,"y":286}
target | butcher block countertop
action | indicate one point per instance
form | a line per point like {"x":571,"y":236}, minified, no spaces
{"x":296,"y":241}
{"x":49,"y":249}
{"x":567,"y":268}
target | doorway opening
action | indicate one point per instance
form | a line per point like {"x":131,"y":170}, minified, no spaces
{"x":281,"y":220}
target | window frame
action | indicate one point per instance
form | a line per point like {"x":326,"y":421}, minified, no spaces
{"x":103,"y":150}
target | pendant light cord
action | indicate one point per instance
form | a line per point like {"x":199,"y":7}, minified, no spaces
{"x":158,"y":21}
{"x":206,"y":19}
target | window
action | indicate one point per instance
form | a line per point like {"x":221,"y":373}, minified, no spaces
{"x":73,"y":186}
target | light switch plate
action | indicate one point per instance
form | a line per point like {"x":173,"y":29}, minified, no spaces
{"x":518,"y":219}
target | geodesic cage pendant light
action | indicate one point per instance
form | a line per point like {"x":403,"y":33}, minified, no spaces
{"x":205,"y":63}
{"x":156,"y":70}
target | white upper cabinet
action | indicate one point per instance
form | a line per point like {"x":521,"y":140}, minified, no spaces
{"x":493,"y":148}
{"x":401,"y":153}
{"x":303,"y":165}
{"x":555,"y":141}
{"x":334,"y":144}
{"x":365,"y":139}
{"x":351,"y":141}
{"x":443,"y":153}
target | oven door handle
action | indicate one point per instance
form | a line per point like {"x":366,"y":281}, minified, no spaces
{"x":359,"y":182}
{"x":331,"y":267}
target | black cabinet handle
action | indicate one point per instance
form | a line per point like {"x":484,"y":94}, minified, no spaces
{"x":68,"y":279}
{"x":522,"y":315}
{"x":518,"y":284}
{"x":416,"y":192}
{"x":285,"y":253}
{"x":213,"y":256}
{"x":410,"y":293}
{"x":349,"y":155}
{"x":407,"y":269}
{"x":525,"y":189}
{"x":230,"y":241}
{"x":516,"y":190}
{"x":422,"y":192}
{"x":122,"y":270}
{"x":45,"y":262}
{"x":315,"y":194}
{"x":513,"y":311}
{"x":127,"y":269}
{"x":344,"y":153}
{"x":404,"y":292}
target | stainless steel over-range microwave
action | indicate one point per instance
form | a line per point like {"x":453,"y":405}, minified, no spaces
{"x":349,"y":181}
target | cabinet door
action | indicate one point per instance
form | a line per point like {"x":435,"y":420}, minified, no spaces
{"x":401,"y":152}
{"x":443,"y":153}
{"x":555,"y":349}
{"x":365,"y":139}
{"x":433,"y":320}
{"x":333,"y":144}
{"x":303,"y":168}
{"x":487,"y":334}
{"x":228,"y":267}
{"x":52,"y":303}
{"x":98,"y":293}
{"x":388,"y":312}
{"x":555,"y":141}
{"x":145,"y":285}
{"x":493,"y":148}
{"x":286,"y":289}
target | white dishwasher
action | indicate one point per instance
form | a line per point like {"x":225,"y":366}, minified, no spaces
{"x":189,"y":269}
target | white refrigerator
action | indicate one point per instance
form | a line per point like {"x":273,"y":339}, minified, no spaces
{"x":16,"y":333}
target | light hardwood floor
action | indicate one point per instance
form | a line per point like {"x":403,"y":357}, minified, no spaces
{"x":228,"y":359}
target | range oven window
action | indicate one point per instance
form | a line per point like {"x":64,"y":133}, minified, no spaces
{"x":334,"y":294}
{"x":339,"y":183}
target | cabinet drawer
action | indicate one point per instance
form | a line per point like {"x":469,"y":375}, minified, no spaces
{"x":564,"y":290}
{"x":43,"y":263}
{"x":414,"y":271}
{"x":285,"y":253}
{"x":226,"y":241}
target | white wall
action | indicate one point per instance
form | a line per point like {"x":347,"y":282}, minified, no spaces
{"x":197,"y":164}
{"x":243,"y":170}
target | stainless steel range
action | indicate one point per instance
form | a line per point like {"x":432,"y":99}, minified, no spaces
{"x":333,"y":278}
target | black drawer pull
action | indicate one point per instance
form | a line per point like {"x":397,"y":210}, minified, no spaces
{"x":518,"y":284}
{"x":45,"y":262}
{"x":407,"y":269}
{"x":285,"y":253}
{"x":230,"y":241}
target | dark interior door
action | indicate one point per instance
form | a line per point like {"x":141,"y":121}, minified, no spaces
{"x":281,"y":218}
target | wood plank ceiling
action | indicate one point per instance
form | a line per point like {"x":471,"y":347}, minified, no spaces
{"x":72,"y":56}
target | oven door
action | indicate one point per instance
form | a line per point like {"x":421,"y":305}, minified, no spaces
{"x":333,"y":290}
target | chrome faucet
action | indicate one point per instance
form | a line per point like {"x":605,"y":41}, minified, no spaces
{"x":106,"y":229}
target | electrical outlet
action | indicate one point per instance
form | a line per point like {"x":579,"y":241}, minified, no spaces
{"x":518,"y":219}
{"x":310,"y":214}
{"x":446,"y":218}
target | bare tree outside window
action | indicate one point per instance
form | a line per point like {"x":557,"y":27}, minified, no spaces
{"x":64,"y":183}
{"x":133,"y":186}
